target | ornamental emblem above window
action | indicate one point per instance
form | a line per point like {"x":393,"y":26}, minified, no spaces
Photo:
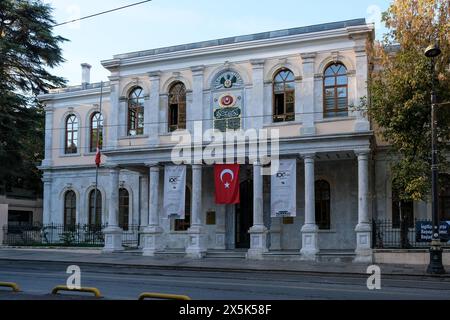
{"x":228,"y":80}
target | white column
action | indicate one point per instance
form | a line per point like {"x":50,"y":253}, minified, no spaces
{"x":48,"y":161}
{"x":364,"y":228}
{"x":255,"y":110}
{"x":144,"y":202}
{"x":151,"y":116}
{"x":114,"y":123}
{"x":307,"y":92}
{"x":153,"y":232}
{"x":258,"y":233}
{"x":310,"y":247}
{"x":195,"y":109}
{"x":362,"y":71}
{"x":113,"y":233}
{"x":196,"y":247}
{"x":47,"y":205}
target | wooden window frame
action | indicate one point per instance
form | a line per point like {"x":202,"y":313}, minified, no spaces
{"x":93,"y":139}
{"x":180,"y":100}
{"x":124,"y":223}
{"x":138,"y":110}
{"x":282,"y":117}
{"x":72,"y":215}
{"x":72,"y":128}
{"x":336,"y":110}
{"x":98,"y":213}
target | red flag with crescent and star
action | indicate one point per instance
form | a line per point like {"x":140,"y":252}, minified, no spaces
{"x":98,"y":157}
{"x":227,"y":183}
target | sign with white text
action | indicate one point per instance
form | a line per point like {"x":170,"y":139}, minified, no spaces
{"x":175,"y":191}
{"x":284,"y":190}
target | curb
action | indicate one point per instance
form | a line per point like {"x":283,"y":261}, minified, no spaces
{"x":230,"y":269}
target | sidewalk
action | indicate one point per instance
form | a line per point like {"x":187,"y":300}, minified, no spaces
{"x":135,"y":260}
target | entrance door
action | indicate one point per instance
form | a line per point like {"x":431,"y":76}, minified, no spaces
{"x":244,"y":215}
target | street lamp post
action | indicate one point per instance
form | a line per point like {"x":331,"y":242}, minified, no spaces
{"x":435,"y":266}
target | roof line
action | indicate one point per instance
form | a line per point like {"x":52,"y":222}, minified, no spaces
{"x":245,"y":38}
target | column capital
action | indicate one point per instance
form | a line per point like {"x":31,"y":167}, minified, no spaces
{"x":197,"y":167}
{"x":113,"y":168}
{"x":49,"y":109}
{"x":198,"y":70}
{"x":362,"y":153}
{"x":258,"y":63}
{"x":114,"y":79}
{"x":152,"y":165}
{"x":154,"y":75}
{"x":310,"y":156}
{"x":308,"y":57}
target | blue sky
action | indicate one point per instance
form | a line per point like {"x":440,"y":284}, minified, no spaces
{"x":169,"y":22}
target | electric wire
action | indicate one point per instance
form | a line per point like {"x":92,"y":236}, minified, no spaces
{"x":101,"y":13}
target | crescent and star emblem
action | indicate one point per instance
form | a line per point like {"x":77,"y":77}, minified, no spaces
{"x":223,"y":173}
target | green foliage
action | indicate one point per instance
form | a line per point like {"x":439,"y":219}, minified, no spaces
{"x":401,"y":92}
{"x":28,"y":49}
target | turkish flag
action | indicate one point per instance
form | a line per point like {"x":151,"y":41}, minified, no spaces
{"x":227,"y":183}
{"x":98,"y":157}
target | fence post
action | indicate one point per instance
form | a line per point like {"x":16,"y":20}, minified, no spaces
{"x":374,"y":234}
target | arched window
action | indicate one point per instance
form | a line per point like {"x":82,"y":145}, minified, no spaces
{"x":71,"y":134}
{"x":322,"y":192}
{"x":444,"y":197}
{"x":124,"y":208}
{"x":96,"y":131}
{"x":284,"y":96}
{"x":70,"y":209}
{"x":136,"y":112}
{"x":184,"y":225}
{"x":177,"y":107}
{"x":335,"y":84}
{"x":95,"y":208}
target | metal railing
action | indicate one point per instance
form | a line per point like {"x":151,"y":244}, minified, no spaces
{"x":387,"y":236}
{"x":80,"y":235}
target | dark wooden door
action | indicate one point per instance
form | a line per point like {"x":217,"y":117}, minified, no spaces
{"x":244,"y":215}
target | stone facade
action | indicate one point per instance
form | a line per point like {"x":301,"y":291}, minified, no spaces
{"x":338,"y":149}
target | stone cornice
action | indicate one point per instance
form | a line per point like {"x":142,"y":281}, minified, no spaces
{"x":74,"y":94}
{"x":307,"y":37}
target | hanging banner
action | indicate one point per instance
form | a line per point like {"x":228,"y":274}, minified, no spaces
{"x":284,"y":190}
{"x":174,"y":191}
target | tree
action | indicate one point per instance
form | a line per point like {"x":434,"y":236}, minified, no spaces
{"x":28,"y":49}
{"x":400,"y":91}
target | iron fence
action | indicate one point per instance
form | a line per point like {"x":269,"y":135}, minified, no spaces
{"x":131,"y":236}
{"x":64,"y":236}
{"x":386,"y":236}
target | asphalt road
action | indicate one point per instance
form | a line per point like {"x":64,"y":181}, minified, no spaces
{"x":37,"y":280}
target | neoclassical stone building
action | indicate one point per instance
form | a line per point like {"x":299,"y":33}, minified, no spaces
{"x":302,"y":81}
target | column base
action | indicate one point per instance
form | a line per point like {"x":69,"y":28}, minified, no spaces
{"x":113,"y":240}
{"x":363,"y":250}
{"x":258,"y":242}
{"x":152,"y":241}
{"x":196,"y":248}
{"x":310,"y":243}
